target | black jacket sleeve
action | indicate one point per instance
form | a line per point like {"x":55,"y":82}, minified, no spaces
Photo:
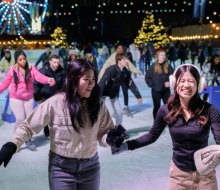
{"x":134,"y":89}
{"x":102,"y":83}
{"x":37,"y":88}
{"x":124,"y":88}
{"x":105,"y":79}
{"x":129,"y":83}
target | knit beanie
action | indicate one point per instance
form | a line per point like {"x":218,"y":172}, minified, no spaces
{"x":207,"y":159}
{"x":73,"y":52}
{"x":17,"y":53}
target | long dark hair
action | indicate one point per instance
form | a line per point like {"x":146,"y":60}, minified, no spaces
{"x":73,"y":101}
{"x":26,"y":77}
{"x":196,"y":105}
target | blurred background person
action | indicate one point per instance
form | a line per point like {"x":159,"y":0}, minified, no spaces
{"x":147,"y":57}
{"x":115,"y":76}
{"x":73,"y":55}
{"x":44,"y":91}
{"x":215,"y":69}
{"x":6,"y":62}
{"x":201,"y":57}
{"x":20,"y":77}
{"x":182,"y":53}
{"x":157,"y":78}
{"x":172,"y":54}
{"x":89,"y":56}
{"x":44,"y":56}
{"x":193,"y":50}
{"x":104,"y":55}
{"x":119,"y":48}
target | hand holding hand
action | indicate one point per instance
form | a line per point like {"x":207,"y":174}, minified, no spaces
{"x":120,"y":149}
{"x":7,"y":152}
{"x":51,"y":81}
{"x":116,"y":136}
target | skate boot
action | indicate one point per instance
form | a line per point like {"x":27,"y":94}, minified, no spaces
{"x":127,"y":111}
{"x":30,"y":145}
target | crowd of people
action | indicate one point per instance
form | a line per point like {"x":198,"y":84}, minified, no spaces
{"x":77,"y":94}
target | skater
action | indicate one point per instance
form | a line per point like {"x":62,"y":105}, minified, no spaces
{"x":189,"y":120}
{"x":157,"y":78}
{"x":44,"y":91}
{"x":6,"y":62}
{"x":20,"y":78}
{"x":78,"y":119}
{"x":115,"y":76}
{"x":44,"y":57}
{"x":119,"y":48}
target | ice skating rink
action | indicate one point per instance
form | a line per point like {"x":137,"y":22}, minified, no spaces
{"x":143,"y":169}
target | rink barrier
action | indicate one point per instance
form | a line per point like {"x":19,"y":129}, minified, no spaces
{"x":213,"y":95}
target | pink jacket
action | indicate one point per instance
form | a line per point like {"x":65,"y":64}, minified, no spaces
{"x":22,"y":92}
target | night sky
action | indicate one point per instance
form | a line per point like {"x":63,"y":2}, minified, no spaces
{"x":112,"y":20}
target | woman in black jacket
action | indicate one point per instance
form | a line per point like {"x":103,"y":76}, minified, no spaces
{"x":157,"y":78}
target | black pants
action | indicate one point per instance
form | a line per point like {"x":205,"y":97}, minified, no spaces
{"x":157,"y":96}
{"x":125,"y":93}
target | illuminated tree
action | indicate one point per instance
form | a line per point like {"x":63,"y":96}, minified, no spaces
{"x":152,"y":31}
{"x":59,"y":38}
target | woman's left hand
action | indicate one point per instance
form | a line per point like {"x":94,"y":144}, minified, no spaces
{"x":51,"y":81}
{"x":167,"y":84}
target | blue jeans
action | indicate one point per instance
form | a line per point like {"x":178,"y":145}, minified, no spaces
{"x":73,"y":174}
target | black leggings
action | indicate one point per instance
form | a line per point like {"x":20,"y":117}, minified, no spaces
{"x":157,"y":96}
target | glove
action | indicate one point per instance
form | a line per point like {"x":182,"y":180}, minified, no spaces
{"x":116,"y":136}
{"x":7,"y":152}
{"x":120,"y":149}
{"x":121,"y":129}
{"x":207,"y":159}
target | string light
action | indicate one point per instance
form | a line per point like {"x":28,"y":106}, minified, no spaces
{"x":194,"y":37}
{"x":30,"y":44}
{"x":152,"y":31}
{"x":212,"y":32}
